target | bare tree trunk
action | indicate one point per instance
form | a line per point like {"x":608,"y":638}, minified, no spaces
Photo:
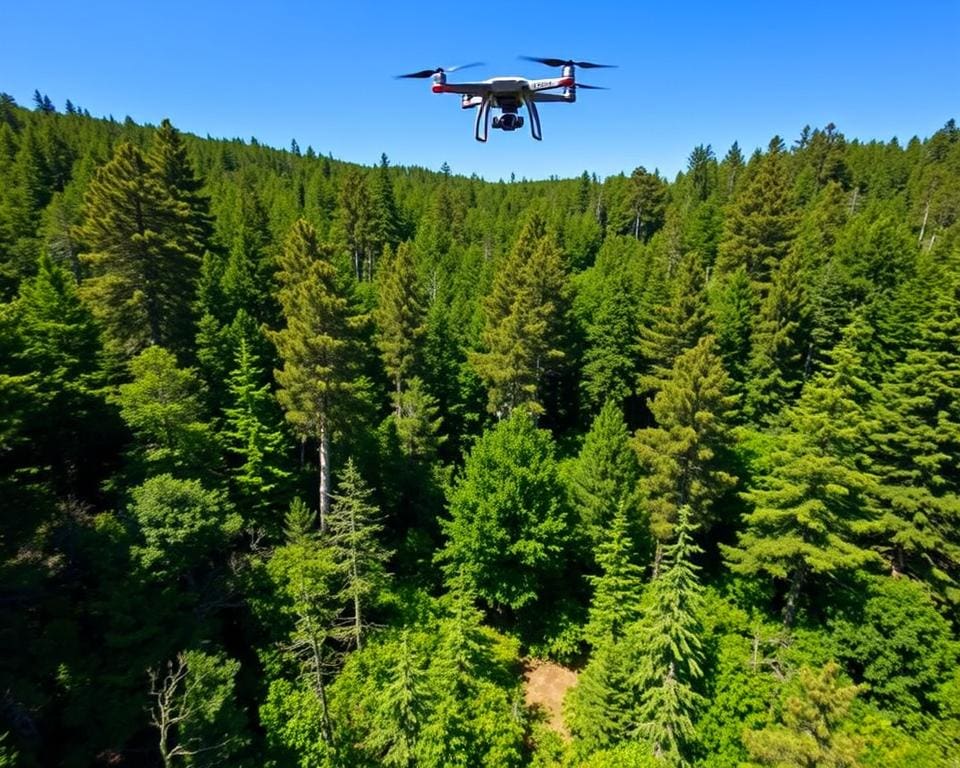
{"x":926,"y":212}
{"x":324,"y":451}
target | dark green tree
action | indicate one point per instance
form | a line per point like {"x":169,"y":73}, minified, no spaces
{"x":139,"y":256}
{"x":682,"y":459}
{"x":315,"y":347}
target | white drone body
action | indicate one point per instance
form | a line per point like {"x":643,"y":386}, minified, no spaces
{"x":509,"y":94}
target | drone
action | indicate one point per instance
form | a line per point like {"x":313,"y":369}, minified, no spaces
{"x":509,"y":94}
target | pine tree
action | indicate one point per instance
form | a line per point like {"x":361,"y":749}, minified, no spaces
{"x":667,"y":650}
{"x":760,"y":224}
{"x":525,"y":315}
{"x":353,"y":530}
{"x":418,"y":422}
{"x":682,"y":458}
{"x":169,"y":161}
{"x":252,"y":432}
{"x":401,"y":711}
{"x":355,"y":214}
{"x":648,"y":194}
{"x":604,"y":476}
{"x":140,"y":260}
{"x":617,"y":591}
{"x":400,"y":319}
{"x":809,"y":735}
{"x":58,"y":344}
{"x":611,"y":357}
{"x":812,"y":507}
{"x":315,"y":347}
{"x":385,"y":221}
{"x":733,"y":304}
{"x":781,"y":346}
{"x":678,"y":325}
{"x":701,"y":170}
{"x":916,"y":442}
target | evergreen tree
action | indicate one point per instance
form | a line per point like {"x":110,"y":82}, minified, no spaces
{"x":169,"y":161}
{"x":809,"y":735}
{"x":353,"y":530}
{"x":252,"y":432}
{"x":760,"y":224}
{"x":682,"y":458}
{"x":418,"y":422}
{"x":355,"y":214}
{"x":647,"y":196}
{"x":917,"y":440}
{"x":812,"y":506}
{"x":610,"y":360}
{"x":701,"y":170}
{"x":781,"y":349}
{"x":524,"y":323}
{"x":141,"y":263}
{"x":678,"y":325}
{"x":668,"y":651}
{"x":315,"y":347}
{"x":385,"y":221}
{"x":617,"y":591}
{"x":733,"y":310}
{"x":400,"y":319}
{"x":603,"y":478}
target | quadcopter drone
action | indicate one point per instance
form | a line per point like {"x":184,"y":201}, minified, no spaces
{"x":509,"y":94}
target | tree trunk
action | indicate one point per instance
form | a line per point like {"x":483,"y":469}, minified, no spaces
{"x":796,"y":584}
{"x":324,"y":451}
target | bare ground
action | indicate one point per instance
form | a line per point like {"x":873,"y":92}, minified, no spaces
{"x":545,"y":684}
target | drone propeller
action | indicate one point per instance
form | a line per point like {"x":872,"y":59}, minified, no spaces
{"x":592,"y":87}
{"x":438,"y":70}
{"x":568,"y":63}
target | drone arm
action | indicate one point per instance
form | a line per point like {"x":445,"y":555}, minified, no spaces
{"x":542,"y":97}
{"x":534,"y":117}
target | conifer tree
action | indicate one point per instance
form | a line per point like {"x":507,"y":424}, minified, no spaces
{"x":733,"y":304}
{"x":58,"y":344}
{"x":677,"y":325}
{"x":781,"y":347}
{"x":600,"y":707}
{"x":812,"y":508}
{"x":355,"y":214}
{"x":400,"y":319}
{"x":315,"y":347}
{"x":169,"y":161}
{"x":682,"y":458}
{"x":809,"y":735}
{"x":418,"y":422}
{"x":142,"y":266}
{"x":611,"y":357}
{"x":353,"y":530}
{"x":401,"y":711}
{"x":252,"y":432}
{"x":667,"y":650}
{"x":385,"y":222}
{"x":617,"y":591}
{"x":916,"y":443}
{"x":604,"y":476}
{"x":525,"y":315}
{"x":759,"y":227}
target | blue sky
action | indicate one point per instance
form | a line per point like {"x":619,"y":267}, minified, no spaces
{"x":689,"y":73}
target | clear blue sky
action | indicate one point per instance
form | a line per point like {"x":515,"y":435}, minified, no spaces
{"x":689,"y":73}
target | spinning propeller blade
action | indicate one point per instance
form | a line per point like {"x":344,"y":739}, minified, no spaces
{"x":423,"y":73}
{"x":568,"y":62}
{"x":591,"y":87}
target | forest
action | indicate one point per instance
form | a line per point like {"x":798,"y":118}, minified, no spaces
{"x":311,"y":464}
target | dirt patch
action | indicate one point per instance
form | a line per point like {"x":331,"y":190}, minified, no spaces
{"x":545,"y":684}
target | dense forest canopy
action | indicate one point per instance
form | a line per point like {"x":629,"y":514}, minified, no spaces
{"x":305,"y":463}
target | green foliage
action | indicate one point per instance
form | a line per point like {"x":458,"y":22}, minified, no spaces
{"x":141,"y":258}
{"x":400,"y":317}
{"x":681,"y":459}
{"x":162,"y":407}
{"x":180,"y":525}
{"x":810,"y":735}
{"x":603,"y":478}
{"x":524,"y":323}
{"x":508,"y":532}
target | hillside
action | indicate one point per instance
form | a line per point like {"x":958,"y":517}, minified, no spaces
{"x":306,"y":463}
